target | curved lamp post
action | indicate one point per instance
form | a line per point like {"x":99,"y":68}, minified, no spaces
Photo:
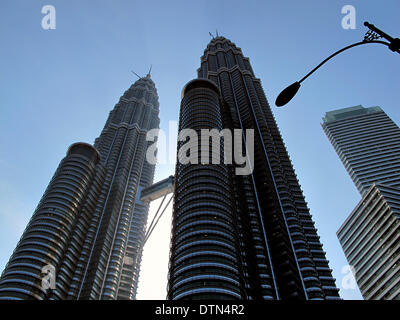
{"x":370,"y":37}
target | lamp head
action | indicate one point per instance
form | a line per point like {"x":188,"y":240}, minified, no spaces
{"x":287,"y":94}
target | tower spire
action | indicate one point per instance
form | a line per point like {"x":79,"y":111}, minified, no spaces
{"x":136,"y":74}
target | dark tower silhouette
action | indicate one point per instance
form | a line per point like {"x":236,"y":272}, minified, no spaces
{"x":89,"y":225}
{"x":241,"y":236}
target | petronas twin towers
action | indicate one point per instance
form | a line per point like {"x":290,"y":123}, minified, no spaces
{"x":233,"y":236}
{"x":89,"y":225}
{"x":241,"y":236}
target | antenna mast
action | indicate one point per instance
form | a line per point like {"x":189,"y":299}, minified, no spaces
{"x":136,"y":74}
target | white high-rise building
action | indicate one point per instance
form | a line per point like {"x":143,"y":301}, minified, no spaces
{"x":368,"y":143}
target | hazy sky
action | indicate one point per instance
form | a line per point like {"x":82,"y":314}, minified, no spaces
{"x":58,"y":86}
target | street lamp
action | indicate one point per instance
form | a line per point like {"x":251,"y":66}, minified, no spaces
{"x":370,"y":37}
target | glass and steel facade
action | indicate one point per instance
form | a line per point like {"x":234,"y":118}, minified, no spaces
{"x":368,"y":144}
{"x":248,"y":236}
{"x":56,"y":231}
{"x":370,"y":238}
{"x":204,"y":256}
{"x":90,"y":223}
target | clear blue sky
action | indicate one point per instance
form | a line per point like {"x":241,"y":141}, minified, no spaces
{"x":58,"y":86}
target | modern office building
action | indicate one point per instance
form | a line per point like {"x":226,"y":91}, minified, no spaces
{"x":87,"y":231}
{"x":240,"y":236}
{"x":370,"y":238}
{"x":368,"y":143}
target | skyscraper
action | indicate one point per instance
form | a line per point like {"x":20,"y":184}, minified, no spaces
{"x":370,"y":238}
{"x":87,"y":231}
{"x":368,"y":143}
{"x":240,"y":236}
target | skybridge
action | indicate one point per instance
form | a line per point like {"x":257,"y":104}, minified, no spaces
{"x":156,"y":191}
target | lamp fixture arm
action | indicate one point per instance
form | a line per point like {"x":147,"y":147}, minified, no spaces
{"x":340,"y":51}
